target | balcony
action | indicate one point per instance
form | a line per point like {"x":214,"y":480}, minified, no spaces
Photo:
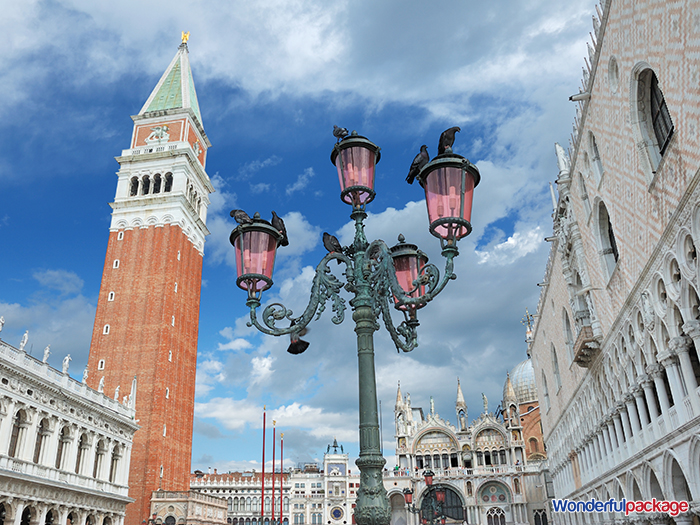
{"x":586,"y":348}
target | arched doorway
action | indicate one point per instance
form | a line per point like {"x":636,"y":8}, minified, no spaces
{"x":452,"y":508}
{"x":398,"y":509}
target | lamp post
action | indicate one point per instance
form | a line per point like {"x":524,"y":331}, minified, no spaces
{"x":377,"y":276}
{"x":431,"y":509}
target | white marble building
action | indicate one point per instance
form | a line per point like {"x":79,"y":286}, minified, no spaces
{"x":617,"y":331}
{"x":64,"y":448}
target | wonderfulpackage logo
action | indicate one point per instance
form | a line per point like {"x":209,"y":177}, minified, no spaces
{"x":672,"y":508}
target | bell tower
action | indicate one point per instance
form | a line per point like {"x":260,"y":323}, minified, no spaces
{"x":144,"y":342}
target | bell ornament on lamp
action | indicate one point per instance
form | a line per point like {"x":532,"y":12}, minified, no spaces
{"x":355,"y":158}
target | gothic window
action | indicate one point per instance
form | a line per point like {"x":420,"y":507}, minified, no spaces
{"x":534,"y":445}
{"x":596,"y":163}
{"x":453,"y":507}
{"x":516,"y":486}
{"x":555,"y":367}
{"x":545,"y":392}
{"x":235,"y":504}
{"x":156,"y":184}
{"x":608,"y":246}
{"x":503,"y":457}
{"x":469,"y":488}
{"x":134,"y":187}
{"x":568,"y":335}
{"x":168,"y":182}
{"x":146,"y":185}
{"x":496,"y":516}
{"x":540,"y":517}
{"x":654,"y":119}
{"x":584,"y":196}
{"x":18,"y":425}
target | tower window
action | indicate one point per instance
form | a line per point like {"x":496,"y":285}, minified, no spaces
{"x":156,"y":184}
{"x":110,"y":297}
{"x":175,"y":287}
{"x":167,"y":393}
{"x":168,"y":182}
{"x":115,"y":264}
{"x":172,"y":321}
{"x":170,"y":355}
{"x":178,"y":255}
{"x":146,"y":185}
{"x":608,"y":245}
{"x":134,"y":188}
{"x":101,"y":364}
{"x":105,"y":330}
{"x":120,"y":236}
{"x":165,"y":430}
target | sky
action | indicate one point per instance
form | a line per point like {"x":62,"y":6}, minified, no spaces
{"x":272,"y":78}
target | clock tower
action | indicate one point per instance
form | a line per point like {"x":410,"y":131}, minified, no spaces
{"x":144,"y":342}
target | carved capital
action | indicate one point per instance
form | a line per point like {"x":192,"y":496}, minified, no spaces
{"x":680,"y":344}
{"x":692,"y":328}
{"x":655,"y":370}
{"x":629,"y":398}
{"x":645,"y":381}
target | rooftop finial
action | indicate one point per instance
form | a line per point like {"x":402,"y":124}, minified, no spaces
{"x":527,"y":321}
{"x":185,"y":37}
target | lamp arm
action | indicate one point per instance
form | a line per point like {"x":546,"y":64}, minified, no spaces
{"x":325,"y":286}
{"x":429,"y":276}
{"x":404,"y":336}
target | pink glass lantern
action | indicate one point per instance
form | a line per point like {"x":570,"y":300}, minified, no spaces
{"x":355,"y":157}
{"x":408,"y":496}
{"x":428,"y":475}
{"x":440,"y":494}
{"x":408,"y":262}
{"x":255,"y":245}
{"x":449,"y":183}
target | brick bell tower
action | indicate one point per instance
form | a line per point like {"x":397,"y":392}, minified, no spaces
{"x":144,"y":342}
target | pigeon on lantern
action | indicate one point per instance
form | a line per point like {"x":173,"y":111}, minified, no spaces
{"x":447,"y":138}
{"x":421,"y":160}
{"x":278,"y":224}
{"x":340,"y":133}
{"x":241,"y":217}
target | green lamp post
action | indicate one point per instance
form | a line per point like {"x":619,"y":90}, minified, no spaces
{"x":377,"y":276}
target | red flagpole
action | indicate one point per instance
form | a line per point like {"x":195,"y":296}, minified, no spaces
{"x":281,"y":474}
{"x":273,"y":471}
{"x":262,"y":491}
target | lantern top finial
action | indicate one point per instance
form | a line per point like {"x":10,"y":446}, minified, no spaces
{"x":402,"y":238}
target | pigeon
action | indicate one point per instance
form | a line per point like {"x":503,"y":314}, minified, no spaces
{"x":278,"y":224}
{"x":421,"y":160}
{"x":447,"y":138}
{"x":330,"y":242}
{"x":340,"y":133}
{"x":241,"y":217}
{"x":296,"y":345}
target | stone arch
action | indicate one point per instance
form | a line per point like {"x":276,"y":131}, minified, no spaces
{"x":654,"y":487}
{"x":675,"y":478}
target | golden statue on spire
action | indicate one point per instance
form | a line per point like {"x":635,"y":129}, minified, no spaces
{"x":185,"y":37}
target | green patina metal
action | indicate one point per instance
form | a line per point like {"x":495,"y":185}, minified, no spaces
{"x":171,"y":91}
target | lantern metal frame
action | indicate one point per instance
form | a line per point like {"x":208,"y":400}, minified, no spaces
{"x":355,"y":140}
{"x":370,"y":276}
{"x":432,"y":501}
{"x":450,"y":160}
{"x":251,"y":278}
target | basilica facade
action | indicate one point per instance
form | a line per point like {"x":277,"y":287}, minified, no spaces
{"x":492,"y":469}
{"x":616,"y":336}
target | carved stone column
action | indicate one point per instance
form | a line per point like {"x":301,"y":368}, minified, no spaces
{"x":681,"y":347}
{"x":622,"y":410}
{"x":617,"y":428}
{"x":669,"y":361}
{"x":638,"y":394}
{"x":633,"y":415}
{"x":656,"y":371}
{"x":646,"y":383}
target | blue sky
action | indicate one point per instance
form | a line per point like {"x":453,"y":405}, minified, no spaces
{"x":272,"y":77}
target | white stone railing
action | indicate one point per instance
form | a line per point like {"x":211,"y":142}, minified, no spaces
{"x":459,"y":472}
{"x":64,"y":382}
{"x":170,"y":146}
{"x":69,"y":478}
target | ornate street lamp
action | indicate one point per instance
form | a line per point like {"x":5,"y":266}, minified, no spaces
{"x":431,"y":509}
{"x":377,"y":276}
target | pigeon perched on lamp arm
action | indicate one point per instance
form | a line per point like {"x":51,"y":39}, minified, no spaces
{"x":278,"y":224}
{"x":421,"y":160}
{"x":339,"y":133}
{"x":447,"y":139}
{"x":331,"y":243}
{"x":241,"y":217}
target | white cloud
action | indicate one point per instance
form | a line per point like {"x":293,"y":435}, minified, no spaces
{"x":251,"y":168}
{"x":61,"y":280}
{"x":260,"y":188}
{"x":301,"y":182}
{"x":514,"y":248}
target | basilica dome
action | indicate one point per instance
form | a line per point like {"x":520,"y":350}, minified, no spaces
{"x":522,"y":378}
